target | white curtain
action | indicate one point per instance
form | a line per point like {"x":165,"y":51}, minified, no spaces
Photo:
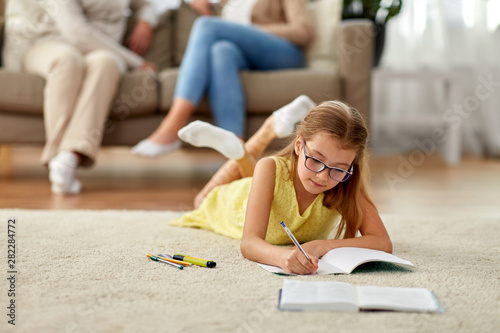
{"x":452,"y":36}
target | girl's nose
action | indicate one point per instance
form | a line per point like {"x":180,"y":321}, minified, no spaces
{"x":324,"y":175}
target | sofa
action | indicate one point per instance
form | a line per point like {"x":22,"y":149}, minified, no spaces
{"x":144,"y":98}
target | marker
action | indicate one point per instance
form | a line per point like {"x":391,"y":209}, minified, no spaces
{"x":170,"y":260}
{"x":195,"y":261}
{"x":165,"y":256}
{"x":155,"y":258}
{"x":294,"y":240}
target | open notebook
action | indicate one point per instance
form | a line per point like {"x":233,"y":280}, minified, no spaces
{"x":344,"y":260}
{"x":341,"y":296}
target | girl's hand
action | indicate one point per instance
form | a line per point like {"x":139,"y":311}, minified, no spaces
{"x":294,"y":261}
{"x":316,"y":248}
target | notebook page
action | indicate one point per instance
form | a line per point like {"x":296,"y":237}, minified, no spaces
{"x":348,"y":258}
{"x":324,"y":268}
{"x":318,"y":295}
{"x":397,"y":299}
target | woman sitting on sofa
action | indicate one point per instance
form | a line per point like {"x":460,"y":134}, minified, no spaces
{"x":76,"y":46}
{"x":267,"y":35}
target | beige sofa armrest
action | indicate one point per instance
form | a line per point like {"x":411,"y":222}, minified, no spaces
{"x":355,"y":59}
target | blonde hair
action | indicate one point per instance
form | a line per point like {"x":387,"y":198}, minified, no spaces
{"x":346,"y":124}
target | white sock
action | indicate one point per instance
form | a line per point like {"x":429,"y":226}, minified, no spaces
{"x":202,"y":134}
{"x":287,"y":116}
{"x":152,"y":149}
{"x":62,"y":173}
{"x":72,"y":188}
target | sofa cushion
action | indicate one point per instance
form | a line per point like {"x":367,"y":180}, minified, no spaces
{"x":161,"y":51}
{"x":137,"y":95}
{"x":322,"y":54}
{"x":183,"y":23}
{"x":21,"y":92}
{"x":21,"y":128}
{"x":266,"y":91}
{"x":166,"y":79}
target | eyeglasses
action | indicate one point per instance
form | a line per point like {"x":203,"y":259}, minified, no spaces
{"x":315,"y":165}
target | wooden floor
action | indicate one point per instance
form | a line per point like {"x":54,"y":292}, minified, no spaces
{"x":401,"y":184}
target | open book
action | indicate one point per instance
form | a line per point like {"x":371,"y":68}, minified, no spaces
{"x":344,"y":260}
{"x":341,"y":296}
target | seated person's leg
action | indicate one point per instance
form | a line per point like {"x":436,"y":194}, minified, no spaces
{"x":62,"y":65}
{"x":192,"y":82}
{"x":225,"y":91}
{"x":82,"y":138}
{"x":85,"y":129}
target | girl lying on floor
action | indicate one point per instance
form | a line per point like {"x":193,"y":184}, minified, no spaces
{"x":315,"y":184}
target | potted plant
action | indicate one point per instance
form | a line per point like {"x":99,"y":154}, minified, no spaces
{"x":378,"y":11}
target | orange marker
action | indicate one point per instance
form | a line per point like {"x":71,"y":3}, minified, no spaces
{"x":171,"y":260}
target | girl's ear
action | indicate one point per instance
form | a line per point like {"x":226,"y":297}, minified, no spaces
{"x":298,"y":145}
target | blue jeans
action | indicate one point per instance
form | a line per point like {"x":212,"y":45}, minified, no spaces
{"x":216,"y":52}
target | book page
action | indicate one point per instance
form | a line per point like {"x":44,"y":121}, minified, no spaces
{"x":348,"y":258}
{"x":397,"y":299}
{"x":344,"y":260}
{"x":324,"y":268}
{"x":318,"y":295}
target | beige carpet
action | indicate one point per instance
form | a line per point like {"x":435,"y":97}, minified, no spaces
{"x":86,"y":271}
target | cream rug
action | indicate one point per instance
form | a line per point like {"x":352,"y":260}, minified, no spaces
{"x":87,"y":271}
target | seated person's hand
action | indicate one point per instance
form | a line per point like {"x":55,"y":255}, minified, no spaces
{"x":140,"y":39}
{"x":294,"y":261}
{"x":148,"y":66}
{"x":203,"y":7}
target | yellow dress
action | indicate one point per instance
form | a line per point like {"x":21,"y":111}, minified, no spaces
{"x":223,"y":211}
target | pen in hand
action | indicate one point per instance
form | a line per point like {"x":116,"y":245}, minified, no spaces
{"x":295,"y":241}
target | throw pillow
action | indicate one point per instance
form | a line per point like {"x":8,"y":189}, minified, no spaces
{"x":323,"y":52}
